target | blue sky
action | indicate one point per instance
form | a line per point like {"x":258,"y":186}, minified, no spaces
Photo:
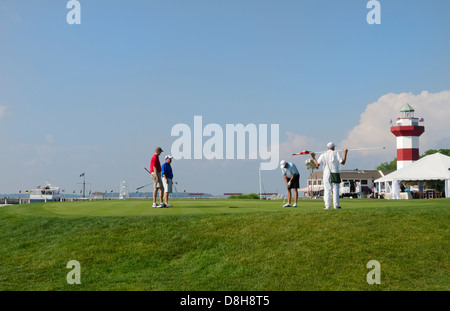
{"x":100,"y":96}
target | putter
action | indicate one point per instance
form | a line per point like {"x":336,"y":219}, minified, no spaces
{"x":284,"y":197}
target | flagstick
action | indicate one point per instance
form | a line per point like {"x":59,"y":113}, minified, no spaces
{"x":353,"y":149}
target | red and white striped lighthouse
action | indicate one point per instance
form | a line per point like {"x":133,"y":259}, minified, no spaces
{"x":407,"y":132}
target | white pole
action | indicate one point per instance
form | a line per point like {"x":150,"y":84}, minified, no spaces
{"x":357,"y":149}
{"x":260,"y":192}
{"x":349,"y":149}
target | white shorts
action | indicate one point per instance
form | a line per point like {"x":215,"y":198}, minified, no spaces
{"x":167,"y":185}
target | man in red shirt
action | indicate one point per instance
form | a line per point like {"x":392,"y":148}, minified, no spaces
{"x":155,"y":171}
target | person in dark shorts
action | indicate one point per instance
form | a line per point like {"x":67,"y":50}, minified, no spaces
{"x":292,"y":179}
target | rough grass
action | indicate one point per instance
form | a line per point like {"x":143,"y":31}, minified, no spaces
{"x":226,"y":245}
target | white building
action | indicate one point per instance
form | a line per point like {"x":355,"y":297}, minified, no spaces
{"x":98,"y":195}
{"x":364,"y":178}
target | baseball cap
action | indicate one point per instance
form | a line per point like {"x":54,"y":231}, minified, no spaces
{"x":282,"y":164}
{"x":168,"y":157}
{"x":159,"y":148}
{"x":331,"y":145}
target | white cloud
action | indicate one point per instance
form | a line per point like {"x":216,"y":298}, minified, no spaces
{"x":296,"y":143}
{"x":373,"y":129}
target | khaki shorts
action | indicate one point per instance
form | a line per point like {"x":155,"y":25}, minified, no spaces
{"x":167,"y":185}
{"x":159,"y":183}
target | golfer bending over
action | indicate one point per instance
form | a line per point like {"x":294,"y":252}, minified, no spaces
{"x":290,"y":171}
{"x":330,"y":160}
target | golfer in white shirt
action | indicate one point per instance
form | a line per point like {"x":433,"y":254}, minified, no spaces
{"x":330,"y":160}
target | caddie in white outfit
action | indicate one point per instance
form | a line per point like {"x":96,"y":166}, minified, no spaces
{"x":330,"y":160}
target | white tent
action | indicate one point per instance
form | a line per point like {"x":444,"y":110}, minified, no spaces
{"x":395,"y":189}
{"x":433,"y":167}
{"x":314,"y":188}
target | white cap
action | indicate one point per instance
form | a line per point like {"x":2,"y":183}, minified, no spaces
{"x":282,"y":164}
{"x":168,"y":157}
{"x":331,"y":145}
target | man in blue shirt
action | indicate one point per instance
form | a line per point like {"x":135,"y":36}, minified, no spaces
{"x":292,"y":179}
{"x":167,"y":176}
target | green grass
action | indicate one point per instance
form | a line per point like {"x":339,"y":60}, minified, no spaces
{"x":212,"y":244}
{"x":245,"y":196}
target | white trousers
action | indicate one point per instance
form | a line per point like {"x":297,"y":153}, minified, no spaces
{"x":327,"y":188}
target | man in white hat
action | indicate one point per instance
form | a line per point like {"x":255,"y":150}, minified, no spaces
{"x":331,"y":160}
{"x":167,"y":176}
{"x":292,"y":179}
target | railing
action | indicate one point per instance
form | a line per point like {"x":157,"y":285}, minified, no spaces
{"x":14,"y":200}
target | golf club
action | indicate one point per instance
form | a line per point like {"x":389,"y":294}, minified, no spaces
{"x":147,"y":184}
{"x":143,"y":186}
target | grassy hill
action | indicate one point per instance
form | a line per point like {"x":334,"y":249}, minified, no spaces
{"x":225,"y":244}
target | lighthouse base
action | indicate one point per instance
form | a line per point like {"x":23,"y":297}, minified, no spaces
{"x":402,"y":164}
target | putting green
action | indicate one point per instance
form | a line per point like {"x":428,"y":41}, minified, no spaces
{"x":143,"y":207}
{"x":201,"y":206}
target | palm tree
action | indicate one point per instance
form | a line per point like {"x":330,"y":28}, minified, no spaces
{"x":310,"y":165}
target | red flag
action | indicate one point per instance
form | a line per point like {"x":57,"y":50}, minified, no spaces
{"x":302,"y":152}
